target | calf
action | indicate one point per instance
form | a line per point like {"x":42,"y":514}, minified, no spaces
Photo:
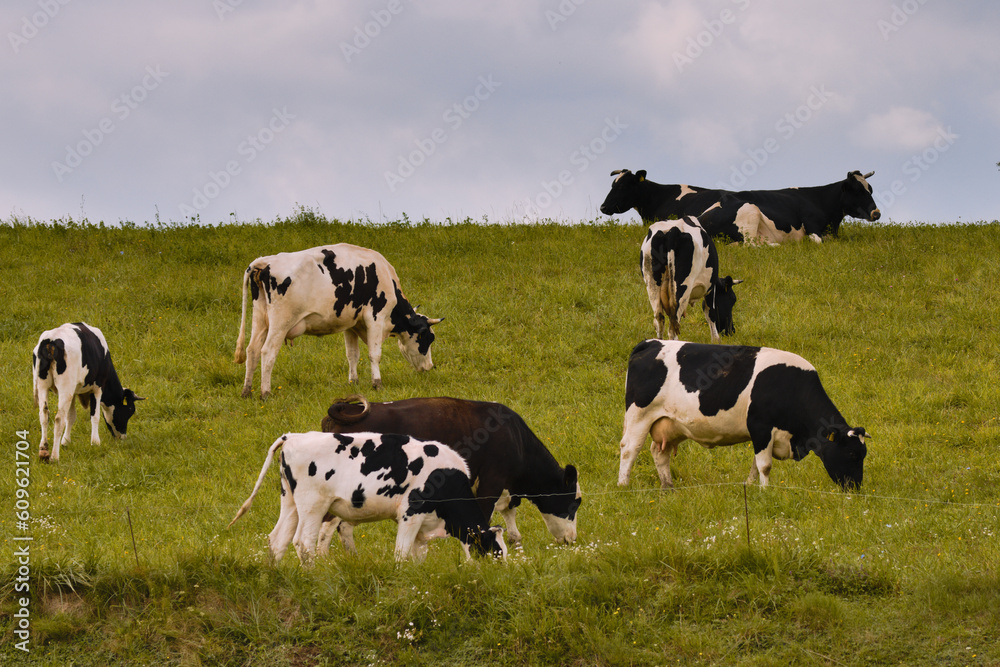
{"x":73,"y":360}
{"x":327,"y":290}
{"x":679,"y":264}
{"x":507,"y":462}
{"x":721,"y":395}
{"x":422,"y":485}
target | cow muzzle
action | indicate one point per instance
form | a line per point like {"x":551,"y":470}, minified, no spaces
{"x":875,"y":215}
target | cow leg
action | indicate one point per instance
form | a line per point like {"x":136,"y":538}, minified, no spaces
{"x":509,"y":515}
{"x":335,"y":526}
{"x":763,"y":447}
{"x":633,"y":438}
{"x":375,"y":355}
{"x":258,"y":333}
{"x":662,"y":451}
{"x":307,"y":532}
{"x":268,"y":355}
{"x":346,"y":531}
{"x":711,"y":325}
{"x":95,"y":417}
{"x":406,"y":536}
{"x":43,"y":420}
{"x":284,"y":530}
{"x":62,"y":417}
{"x":353,"y":355}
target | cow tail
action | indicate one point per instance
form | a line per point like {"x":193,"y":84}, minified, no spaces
{"x":260,"y":480}
{"x":340,"y":415}
{"x":241,"y":356}
{"x":668,"y":295}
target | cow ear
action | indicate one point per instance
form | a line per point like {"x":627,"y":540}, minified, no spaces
{"x":570,"y":476}
{"x":641,"y":174}
{"x":831,"y":436}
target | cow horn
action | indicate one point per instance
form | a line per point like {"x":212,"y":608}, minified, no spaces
{"x":431,"y":321}
{"x":869,"y":174}
{"x":618,"y":171}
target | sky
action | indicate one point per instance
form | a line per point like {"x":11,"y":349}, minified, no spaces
{"x":494,"y":110}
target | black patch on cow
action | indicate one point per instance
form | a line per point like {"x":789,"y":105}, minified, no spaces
{"x":431,"y":450}
{"x":287,"y":472}
{"x":682,"y":245}
{"x":387,"y":457}
{"x":355,"y":451}
{"x":416,"y":465}
{"x":405,"y":319}
{"x":50,"y":350}
{"x":329,"y":474}
{"x":93,"y":356}
{"x":344,"y":440}
{"x":282,"y":287}
{"x":448,"y":494}
{"x":646,"y":374}
{"x":355,"y":288}
{"x":358,"y":497}
{"x":254,"y":277}
{"x":717,"y":373}
{"x":312,"y":468}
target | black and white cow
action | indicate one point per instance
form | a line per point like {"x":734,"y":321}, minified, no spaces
{"x":656,"y":201}
{"x":679,"y":264}
{"x":792,"y":214}
{"x":74,"y":360}
{"x":326,"y":290}
{"x":507,"y":462}
{"x":421,"y":485}
{"x":721,"y":395}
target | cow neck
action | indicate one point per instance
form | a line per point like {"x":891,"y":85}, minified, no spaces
{"x":651,"y":198}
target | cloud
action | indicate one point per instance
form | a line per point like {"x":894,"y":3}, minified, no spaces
{"x":899,"y":128}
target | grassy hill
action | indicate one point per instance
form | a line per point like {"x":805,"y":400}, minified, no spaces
{"x":902,"y":323}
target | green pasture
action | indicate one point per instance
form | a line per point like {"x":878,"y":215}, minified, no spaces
{"x":902,"y":322}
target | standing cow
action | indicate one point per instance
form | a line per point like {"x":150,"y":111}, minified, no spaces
{"x":326,"y":290}
{"x":679,"y":264}
{"x":421,"y":485}
{"x":721,"y":395}
{"x":74,"y":360}
{"x":507,"y":462}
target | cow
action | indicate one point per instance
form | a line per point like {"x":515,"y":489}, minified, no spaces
{"x":507,"y":462}
{"x":720,"y":395}
{"x":679,"y":264}
{"x":326,"y":290}
{"x":74,"y":361}
{"x":655,"y":201}
{"x":777,"y":216}
{"x":361,"y":477}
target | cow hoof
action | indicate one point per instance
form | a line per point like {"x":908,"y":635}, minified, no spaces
{"x":376,"y":384}
{"x":43,"y":455}
{"x":265,"y":395}
{"x":246,"y":392}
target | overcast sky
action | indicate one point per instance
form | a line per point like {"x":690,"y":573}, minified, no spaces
{"x":508,"y":109}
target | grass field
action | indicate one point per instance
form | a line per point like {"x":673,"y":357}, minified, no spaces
{"x":902,"y":322}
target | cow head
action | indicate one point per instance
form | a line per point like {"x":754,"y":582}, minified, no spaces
{"x":487,"y":541}
{"x":117,"y":413}
{"x":624,"y":191}
{"x":559,"y":508}
{"x":858,"y":200}
{"x":415,"y":340}
{"x":720,"y":305}
{"x":843,"y":454}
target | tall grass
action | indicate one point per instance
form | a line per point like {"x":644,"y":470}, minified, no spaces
{"x":901,"y":322}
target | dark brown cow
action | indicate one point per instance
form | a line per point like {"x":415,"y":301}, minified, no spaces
{"x":507,"y":462}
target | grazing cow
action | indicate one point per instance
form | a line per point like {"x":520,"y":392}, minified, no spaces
{"x":679,"y":264}
{"x":655,"y":201}
{"x":721,"y":395}
{"x":776,"y":216}
{"x":506,"y":461}
{"x":327,"y":290}
{"x":73,"y":360}
{"x":422,"y":485}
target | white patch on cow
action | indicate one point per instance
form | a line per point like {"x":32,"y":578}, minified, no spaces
{"x":685,"y":190}
{"x":755,"y":226}
{"x":861,"y":179}
{"x":509,"y":516}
